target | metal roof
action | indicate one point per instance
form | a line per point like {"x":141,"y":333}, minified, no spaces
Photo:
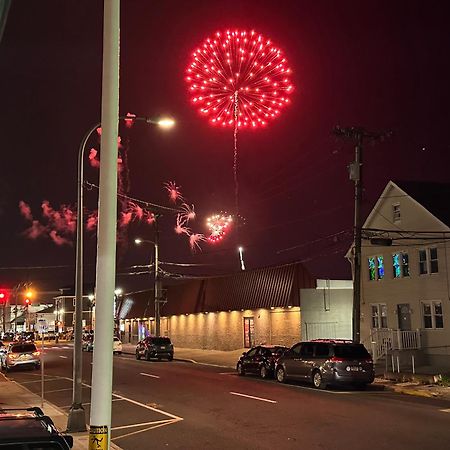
{"x":253,"y":289}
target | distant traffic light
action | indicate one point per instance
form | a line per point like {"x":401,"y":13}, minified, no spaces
{"x":4,"y":295}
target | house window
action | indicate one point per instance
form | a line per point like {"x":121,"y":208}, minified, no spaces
{"x":396,"y":215}
{"x":376,"y":268}
{"x":434,"y":266}
{"x":432,"y":314}
{"x":428,"y":261}
{"x":400,"y":265}
{"x":379,"y":315}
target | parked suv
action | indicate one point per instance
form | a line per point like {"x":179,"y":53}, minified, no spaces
{"x":154,"y":347}
{"x":29,"y":429}
{"x":20,"y":354}
{"x":260,"y":360}
{"x":327,"y":362}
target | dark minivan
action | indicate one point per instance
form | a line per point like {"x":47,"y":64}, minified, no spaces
{"x":154,"y":347}
{"x":327,"y":362}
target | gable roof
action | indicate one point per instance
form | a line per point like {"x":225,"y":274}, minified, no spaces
{"x":252,"y":289}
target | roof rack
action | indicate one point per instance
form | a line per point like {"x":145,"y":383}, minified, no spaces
{"x":334,"y":341}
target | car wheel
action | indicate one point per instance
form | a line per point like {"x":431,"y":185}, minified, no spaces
{"x":264,"y":372}
{"x":138,"y":356}
{"x":281,"y":375}
{"x":317,"y":380}
{"x":170,"y":358}
{"x":240,"y":369}
{"x":147,"y":356}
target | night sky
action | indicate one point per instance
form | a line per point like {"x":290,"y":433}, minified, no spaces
{"x":379,"y":64}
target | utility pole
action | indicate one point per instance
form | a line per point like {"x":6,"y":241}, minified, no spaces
{"x":359,"y":135}
{"x":157,"y":285}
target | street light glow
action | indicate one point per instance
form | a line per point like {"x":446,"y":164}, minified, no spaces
{"x":138,"y":241}
{"x":166,"y":122}
{"x":118,"y":291}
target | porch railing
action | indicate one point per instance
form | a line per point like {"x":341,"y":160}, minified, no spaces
{"x":384,"y":340}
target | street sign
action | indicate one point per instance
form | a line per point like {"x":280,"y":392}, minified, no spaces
{"x":42,"y":326}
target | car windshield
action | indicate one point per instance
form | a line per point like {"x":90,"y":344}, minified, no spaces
{"x":351,"y":351}
{"x":23,"y":348}
{"x":160,"y":341}
{"x":278,"y":350}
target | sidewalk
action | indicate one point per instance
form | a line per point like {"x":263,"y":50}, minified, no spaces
{"x":404,"y":383}
{"x":13,"y":395}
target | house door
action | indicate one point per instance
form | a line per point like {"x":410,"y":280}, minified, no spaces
{"x":249,"y":332}
{"x":404,"y":316}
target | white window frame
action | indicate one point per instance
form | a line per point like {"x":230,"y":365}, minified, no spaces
{"x":378,"y":317}
{"x":396,"y":213}
{"x":428,"y":260}
{"x":432,"y":304}
{"x":402,"y":275}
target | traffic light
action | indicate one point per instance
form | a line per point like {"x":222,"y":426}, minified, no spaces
{"x":4,"y":295}
{"x":28,"y":296}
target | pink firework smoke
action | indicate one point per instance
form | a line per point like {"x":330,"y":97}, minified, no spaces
{"x":93,"y":159}
{"x":174,"y":191}
{"x":25,"y":210}
{"x":130,"y":120}
{"x":91,"y":223}
{"x":59,"y":240}
{"x":35,"y":231}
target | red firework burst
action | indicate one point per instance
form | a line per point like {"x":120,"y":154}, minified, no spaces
{"x":218,"y":225}
{"x":239,"y":77}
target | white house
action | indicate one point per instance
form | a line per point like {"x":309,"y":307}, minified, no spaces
{"x":405,"y":286}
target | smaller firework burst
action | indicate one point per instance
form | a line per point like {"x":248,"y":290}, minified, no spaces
{"x":218,"y":226}
{"x":174,"y":191}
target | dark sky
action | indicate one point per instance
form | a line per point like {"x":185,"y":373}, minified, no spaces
{"x":379,"y":64}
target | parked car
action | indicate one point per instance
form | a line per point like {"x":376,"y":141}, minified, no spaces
{"x":117,"y":346}
{"x":154,"y":347}
{"x":30,"y":429}
{"x":260,"y":360}
{"x":87,"y":344}
{"x":327,"y":362}
{"x":20,"y":354}
{"x":3,"y":348}
{"x":26,"y":336}
{"x":8,"y":336}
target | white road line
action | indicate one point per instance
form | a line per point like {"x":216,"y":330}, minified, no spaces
{"x":227,"y":373}
{"x":58,"y":390}
{"x":88,"y":403}
{"x":168,"y":422}
{"x":142,"y":424}
{"x":38,"y":381}
{"x":445,"y":410}
{"x":61,"y":356}
{"x":254,"y":398}
{"x":149,"y":375}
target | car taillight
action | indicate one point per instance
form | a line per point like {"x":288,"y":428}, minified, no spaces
{"x":36,"y":353}
{"x":336,"y":359}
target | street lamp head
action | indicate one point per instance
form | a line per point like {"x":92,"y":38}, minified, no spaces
{"x":118,"y":291}
{"x":240,"y":249}
{"x":138,"y":241}
{"x":166,"y":122}
{"x":91,"y":297}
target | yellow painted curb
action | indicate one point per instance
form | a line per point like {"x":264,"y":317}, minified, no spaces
{"x":416,"y":392}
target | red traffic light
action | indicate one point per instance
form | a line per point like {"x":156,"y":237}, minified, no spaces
{"x":4,"y":295}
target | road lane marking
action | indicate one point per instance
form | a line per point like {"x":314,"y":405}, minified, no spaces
{"x":149,"y":375}
{"x":38,"y":381}
{"x":58,"y":390}
{"x":158,"y":425}
{"x":445,"y":410}
{"x":88,"y":403}
{"x":142,"y":424}
{"x":253,"y":397}
{"x":227,"y":373}
{"x":61,"y":356}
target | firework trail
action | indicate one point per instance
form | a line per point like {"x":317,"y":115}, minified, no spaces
{"x":187,"y":212}
{"x":36,"y":230}
{"x":194,"y":241}
{"x":180,"y":227}
{"x":57,"y":239}
{"x":174,"y":191}
{"x":239,"y":79}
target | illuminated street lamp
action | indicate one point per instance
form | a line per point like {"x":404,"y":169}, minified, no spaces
{"x":157,"y":281}
{"x":76,"y":419}
{"x":241,"y":257}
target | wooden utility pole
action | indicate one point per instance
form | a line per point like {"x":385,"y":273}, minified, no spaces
{"x":359,"y":136}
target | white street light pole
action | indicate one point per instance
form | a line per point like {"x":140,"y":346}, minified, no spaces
{"x":100,"y":421}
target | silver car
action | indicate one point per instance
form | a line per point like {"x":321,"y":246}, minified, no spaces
{"x":20,"y":354}
{"x":327,"y":362}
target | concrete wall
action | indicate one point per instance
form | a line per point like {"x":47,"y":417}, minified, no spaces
{"x":225,"y":330}
{"x":326,"y":313}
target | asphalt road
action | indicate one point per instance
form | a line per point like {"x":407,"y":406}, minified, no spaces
{"x":159,"y":405}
